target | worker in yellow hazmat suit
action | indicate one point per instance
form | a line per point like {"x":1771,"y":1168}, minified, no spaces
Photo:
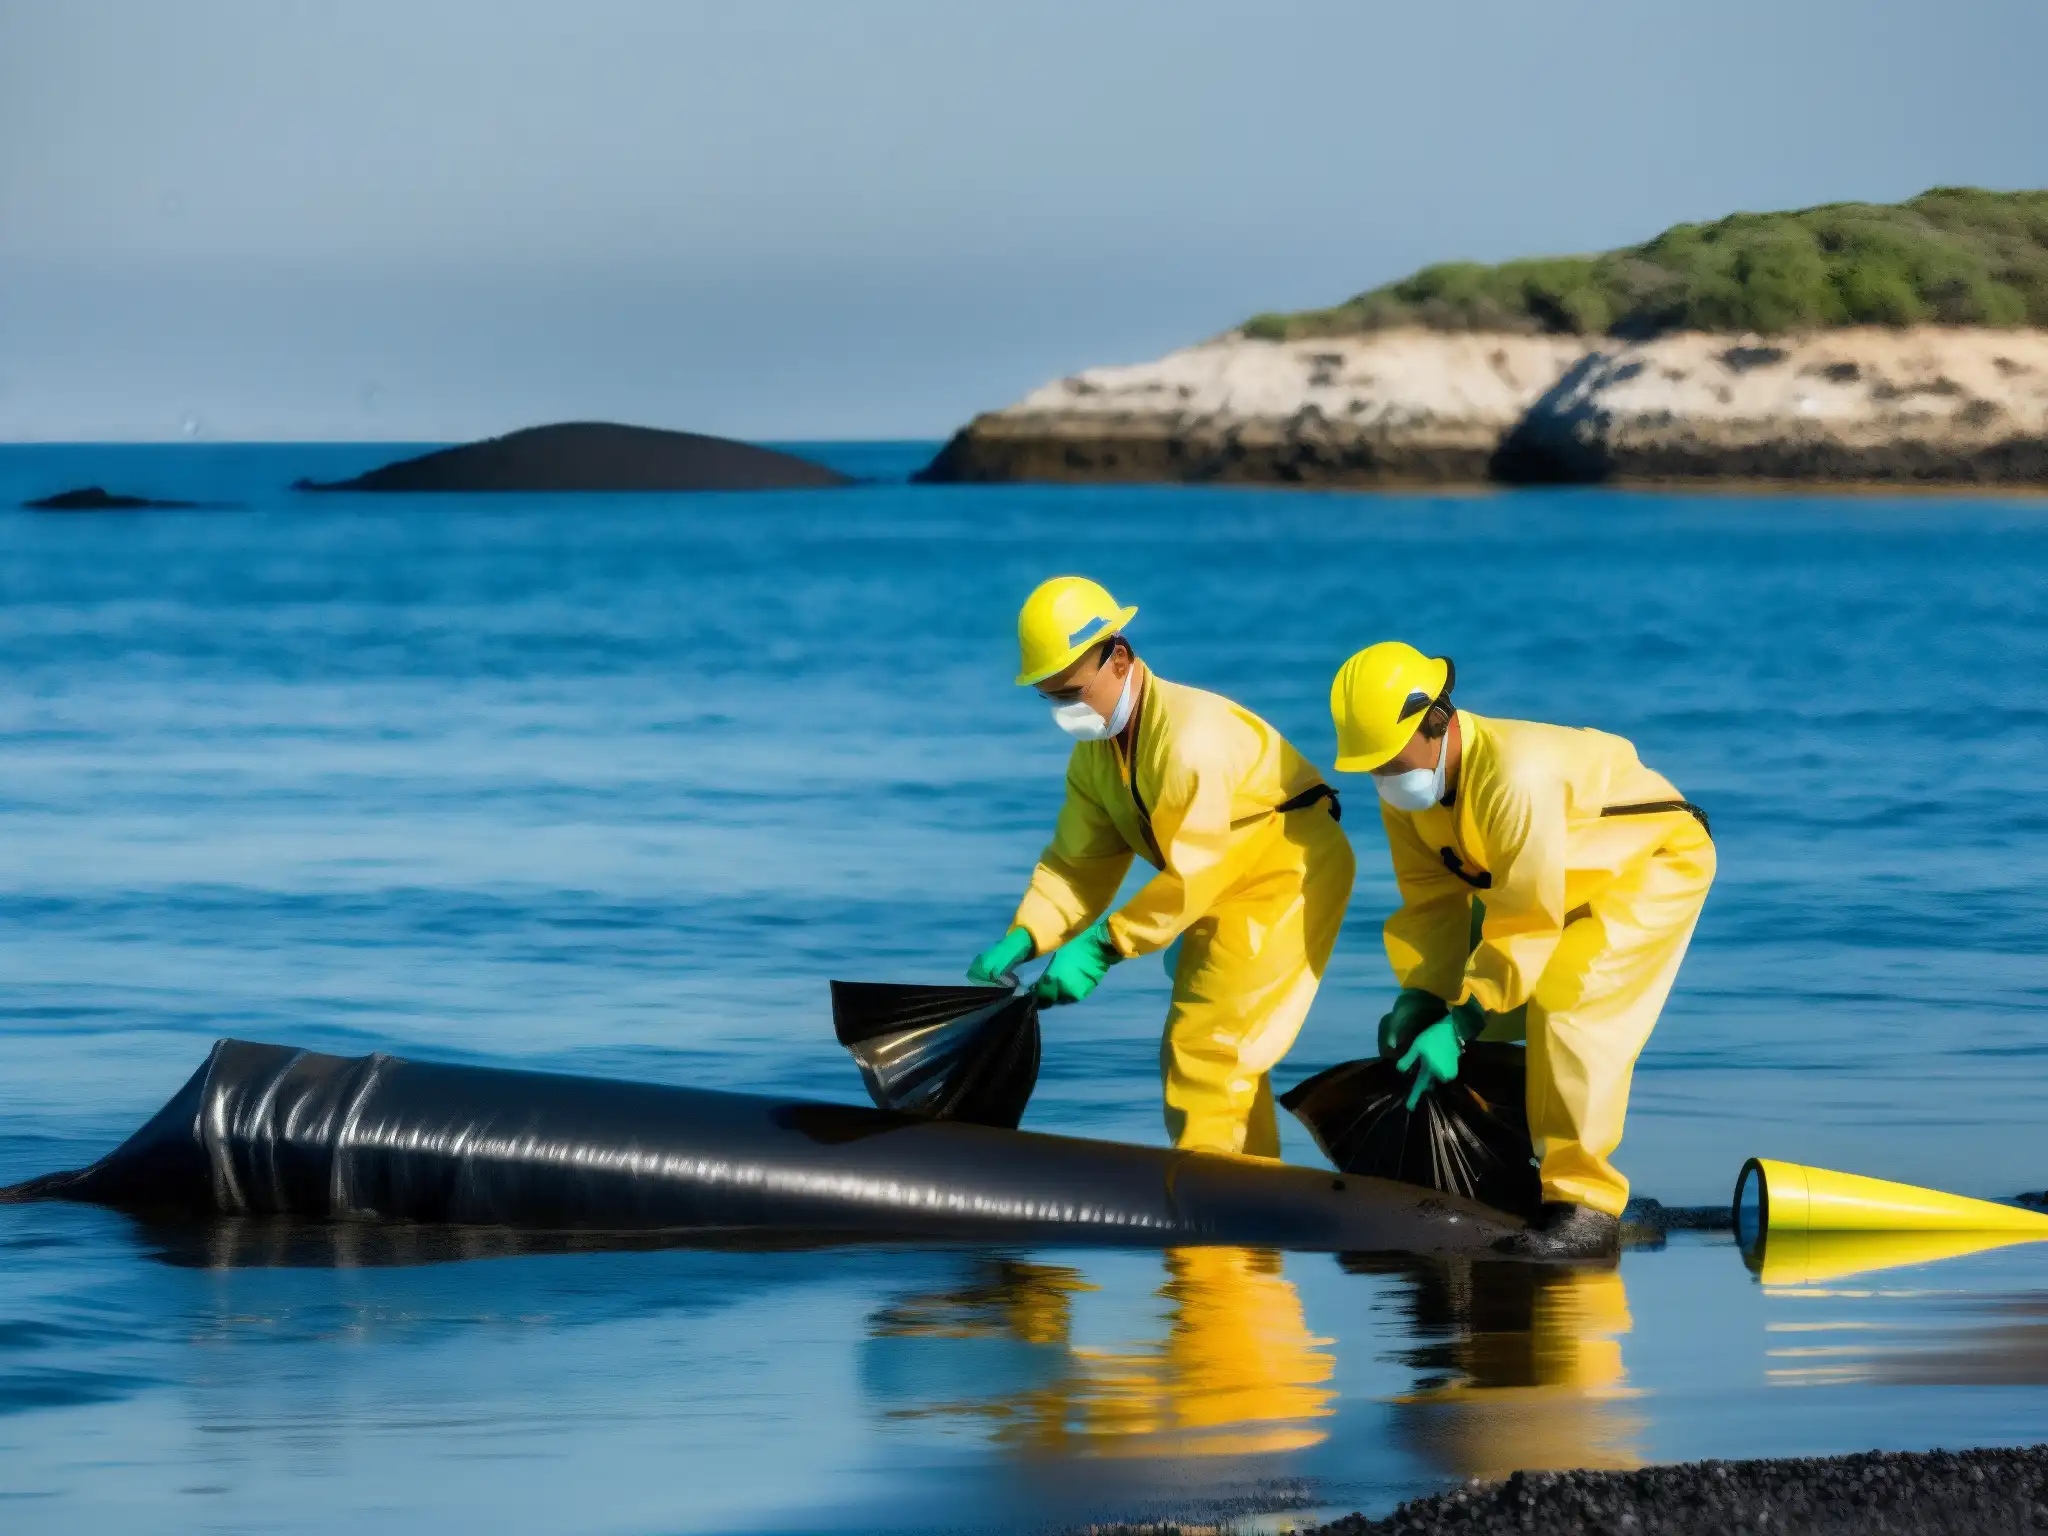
{"x":1588,"y":872}
{"x":1253,"y":870}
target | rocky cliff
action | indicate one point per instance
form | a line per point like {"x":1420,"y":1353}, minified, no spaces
{"x":1921,"y":405}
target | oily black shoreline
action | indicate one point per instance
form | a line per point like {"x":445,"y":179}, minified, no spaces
{"x":1875,"y":1493}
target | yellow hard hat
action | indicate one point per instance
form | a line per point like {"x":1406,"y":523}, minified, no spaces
{"x":1061,"y":620}
{"x":1378,"y":700}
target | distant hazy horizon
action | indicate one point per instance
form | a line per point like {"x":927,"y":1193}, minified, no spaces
{"x":427,"y":221}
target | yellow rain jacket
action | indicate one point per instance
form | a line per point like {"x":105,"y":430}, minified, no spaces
{"x":1194,"y":786}
{"x":1591,"y":870}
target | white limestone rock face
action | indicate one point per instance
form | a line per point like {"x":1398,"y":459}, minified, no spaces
{"x":1869,"y":405}
{"x":1416,"y":407}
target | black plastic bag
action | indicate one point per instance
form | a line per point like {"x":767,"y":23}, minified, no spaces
{"x":942,"y":1053}
{"x":1468,"y":1137}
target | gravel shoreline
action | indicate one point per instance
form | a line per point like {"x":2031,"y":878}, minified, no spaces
{"x":1875,"y":1493}
{"x":1878,"y":1493}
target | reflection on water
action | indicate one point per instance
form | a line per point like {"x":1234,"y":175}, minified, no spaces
{"x":1520,"y":1368}
{"x":287,"y":1242}
{"x":1512,"y":1366}
{"x":300,"y":1384}
{"x":1811,"y":1258}
{"x":1895,"y":1321}
{"x":1233,"y":1371}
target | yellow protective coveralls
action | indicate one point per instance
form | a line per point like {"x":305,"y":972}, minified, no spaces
{"x":1255,"y":894}
{"x":1592,"y":877}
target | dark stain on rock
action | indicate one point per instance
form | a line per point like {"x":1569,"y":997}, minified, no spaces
{"x":1939,"y":386}
{"x":1742,"y":359}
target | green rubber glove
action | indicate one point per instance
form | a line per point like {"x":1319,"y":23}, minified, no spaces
{"x":1434,"y":1058}
{"x":992,"y":967}
{"x":1413,"y":1012}
{"x":1434,"y":1055}
{"x":1078,"y":965}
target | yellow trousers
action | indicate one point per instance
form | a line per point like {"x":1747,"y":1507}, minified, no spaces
{"x":1248,"y":971}
{"x":1593,"y":1010}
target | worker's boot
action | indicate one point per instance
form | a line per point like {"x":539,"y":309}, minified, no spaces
{"x":1563,"y":1230}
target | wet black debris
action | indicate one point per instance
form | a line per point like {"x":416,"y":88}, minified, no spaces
{"x":1646,"y":1223}
{"x":1683,"y":1218}
{"x":1933,"y":1493}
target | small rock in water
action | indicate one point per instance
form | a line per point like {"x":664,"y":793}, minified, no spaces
{"x":94,"y":498}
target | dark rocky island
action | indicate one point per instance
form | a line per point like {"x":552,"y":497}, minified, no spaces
{"x":594,"y":456}
{"x":93,"y":498}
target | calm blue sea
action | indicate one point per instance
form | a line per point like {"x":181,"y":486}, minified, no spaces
{"x":617,"y":785}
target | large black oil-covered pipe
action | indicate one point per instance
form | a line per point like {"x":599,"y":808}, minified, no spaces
{"x":265,"y":1130}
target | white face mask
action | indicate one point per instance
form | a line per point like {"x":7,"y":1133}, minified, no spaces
{"x":1081,"y":722}
{"x":1419,"y":788}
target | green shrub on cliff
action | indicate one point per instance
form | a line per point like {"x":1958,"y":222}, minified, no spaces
{"x":1952,"y":256}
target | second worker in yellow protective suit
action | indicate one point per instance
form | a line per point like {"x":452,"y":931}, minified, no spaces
{"x":1253,"y":870}
{"x":1586,"y":871}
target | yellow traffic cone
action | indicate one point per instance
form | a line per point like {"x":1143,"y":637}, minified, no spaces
{"x":1791,"y":1198}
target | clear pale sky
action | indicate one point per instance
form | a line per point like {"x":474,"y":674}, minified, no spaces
{"x":788,"y":219}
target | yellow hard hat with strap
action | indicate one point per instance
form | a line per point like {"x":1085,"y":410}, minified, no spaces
{"x":1060,"y":621}
{"x":1379,"y":699}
